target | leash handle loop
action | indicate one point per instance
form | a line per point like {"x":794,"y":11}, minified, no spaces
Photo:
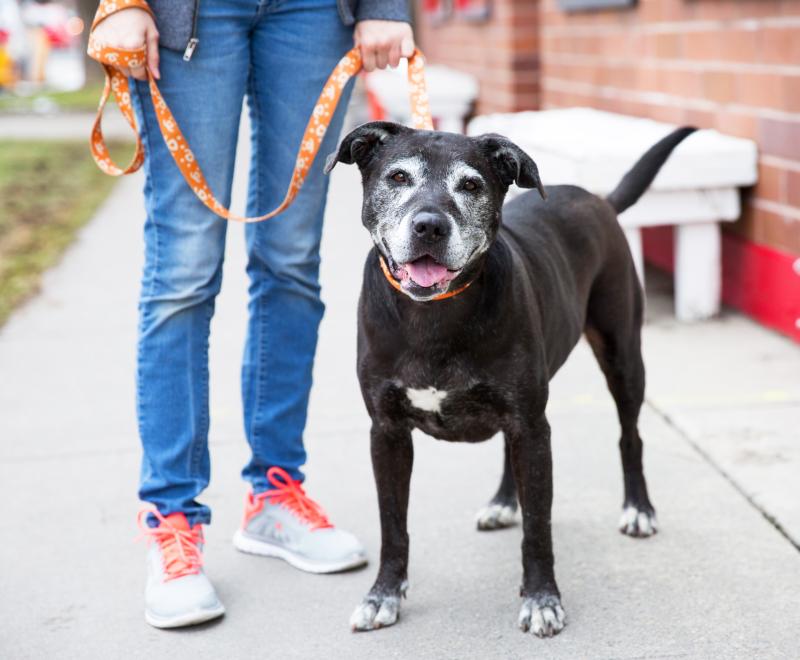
{"x":184,"y":158}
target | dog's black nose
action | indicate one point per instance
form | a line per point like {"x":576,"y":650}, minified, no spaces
{"x":429,"y":226}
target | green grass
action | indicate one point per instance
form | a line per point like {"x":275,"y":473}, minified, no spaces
{"x":84,"y":99}
{"x":48,"y":190}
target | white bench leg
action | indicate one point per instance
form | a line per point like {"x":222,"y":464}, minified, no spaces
{"x":634,"y":236}
{"x":697,"y":271}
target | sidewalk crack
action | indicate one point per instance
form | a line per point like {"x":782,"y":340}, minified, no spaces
{"x":673,"y":424}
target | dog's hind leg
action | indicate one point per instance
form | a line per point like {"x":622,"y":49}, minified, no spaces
{"x":500,"y":510}
{"x":613,"y":329}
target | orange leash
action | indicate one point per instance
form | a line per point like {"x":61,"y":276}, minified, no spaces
{"x":317,"y":125}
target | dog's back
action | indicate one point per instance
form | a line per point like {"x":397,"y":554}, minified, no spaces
{"x":575,"y":235}
{"x":582,"y":225}
{"x":571,"y":226}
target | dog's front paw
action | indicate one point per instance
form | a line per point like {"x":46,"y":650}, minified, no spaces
{"x":542,"y":615}
{"x":495,"y":515}
{"x":639,"y":523}
{"x":377,"y":611}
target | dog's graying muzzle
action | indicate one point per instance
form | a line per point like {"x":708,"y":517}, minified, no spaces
{"x":430,"y":227}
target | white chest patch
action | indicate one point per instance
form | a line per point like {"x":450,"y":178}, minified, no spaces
{"x":428,"y":398}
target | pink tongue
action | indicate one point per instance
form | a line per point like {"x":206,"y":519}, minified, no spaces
{"x":426,"y":272}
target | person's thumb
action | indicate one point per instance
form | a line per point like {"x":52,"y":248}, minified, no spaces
{"x":407,"y":47}
{"x":151,"y":39}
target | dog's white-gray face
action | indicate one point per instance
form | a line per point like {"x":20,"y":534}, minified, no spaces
{"x":430,"y":218}
{"x":432,"y":201}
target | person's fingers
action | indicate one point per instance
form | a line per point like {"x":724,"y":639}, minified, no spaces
{"x":382,"y":56}
{"x":368,"y":58}
{"x":407,"y":47}
{"x":394,"y":55}
{"x":139,"y":72}
{"x":152,"y":53}
{"x":131,"y":40}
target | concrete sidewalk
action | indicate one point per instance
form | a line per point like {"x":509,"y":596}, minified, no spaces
{"x":63,"y":126}
{"x":720,"y":427}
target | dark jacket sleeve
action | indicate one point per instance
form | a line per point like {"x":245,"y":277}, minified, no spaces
{"x":175,"y":18}
{"x":353,"y":11}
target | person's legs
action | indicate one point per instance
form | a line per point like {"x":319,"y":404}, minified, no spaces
{"x":184,"y":244}
{"x":296,"y":45}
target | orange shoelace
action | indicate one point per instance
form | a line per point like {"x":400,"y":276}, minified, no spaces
{"x":289,"y":494}
{"x":179,"y":543}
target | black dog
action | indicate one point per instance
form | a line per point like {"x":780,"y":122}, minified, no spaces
{"x":529,"y":281}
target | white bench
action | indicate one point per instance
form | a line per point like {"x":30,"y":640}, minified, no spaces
{"x":696,"y":189}
{"x":451,"y":94}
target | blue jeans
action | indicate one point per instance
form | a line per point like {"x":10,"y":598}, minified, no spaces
{"x":277,"y":53}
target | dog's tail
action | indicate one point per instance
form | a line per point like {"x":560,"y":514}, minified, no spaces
{"x":641,"y":175}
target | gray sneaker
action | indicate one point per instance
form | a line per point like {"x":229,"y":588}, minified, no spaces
{"x":284,"y":522}
{"x":178,"y":593}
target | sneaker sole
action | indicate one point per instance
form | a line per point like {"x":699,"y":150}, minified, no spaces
{"x":252,"y":546}
{"x":190,"y":619}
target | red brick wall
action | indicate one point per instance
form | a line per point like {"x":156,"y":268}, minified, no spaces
{"x":733,"y":65}
{"x":503,"y":52}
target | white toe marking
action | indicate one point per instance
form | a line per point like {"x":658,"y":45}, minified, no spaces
{"x":537,"y":621}
{"x":387,"y":615}
{"x":637,"y":523}
{"x":628,"y":517}
{"x":495,"y":515}
{"x":363,"y":616}
{"x":370,"y":615}
{"x":428,"y":398}
{"x":543,"y":620}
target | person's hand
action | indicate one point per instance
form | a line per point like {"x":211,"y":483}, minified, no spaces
{"x":383,"y":43}
{"x":130,"y":29}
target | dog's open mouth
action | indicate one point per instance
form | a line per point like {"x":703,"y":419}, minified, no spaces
{"x":425,"y":272}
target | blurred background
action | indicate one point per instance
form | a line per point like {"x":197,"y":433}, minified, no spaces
{"x":49,"y":186}
{"x":41,"y":49}
{"x":729,"y":65}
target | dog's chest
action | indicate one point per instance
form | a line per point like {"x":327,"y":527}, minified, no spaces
{"x":446,"y":408}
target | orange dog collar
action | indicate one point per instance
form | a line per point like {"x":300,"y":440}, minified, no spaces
{"x":317,"y":125}
{"x":396,"y":284}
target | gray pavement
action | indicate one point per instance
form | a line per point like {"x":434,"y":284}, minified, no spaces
{"x":720,"y":429}
{"x":63,"y":126}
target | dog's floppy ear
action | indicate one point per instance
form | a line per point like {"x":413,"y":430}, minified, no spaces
{"x":511,"y":163}
{"x":360,"y":144}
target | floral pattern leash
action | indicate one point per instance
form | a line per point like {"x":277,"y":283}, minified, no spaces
{"x":318,"y":123}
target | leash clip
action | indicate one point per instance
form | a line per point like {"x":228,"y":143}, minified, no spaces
{"x":187,"y":54}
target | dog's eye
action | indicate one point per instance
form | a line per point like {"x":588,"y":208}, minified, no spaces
{"x":470,"y":185}
{"x":400,"y":177}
